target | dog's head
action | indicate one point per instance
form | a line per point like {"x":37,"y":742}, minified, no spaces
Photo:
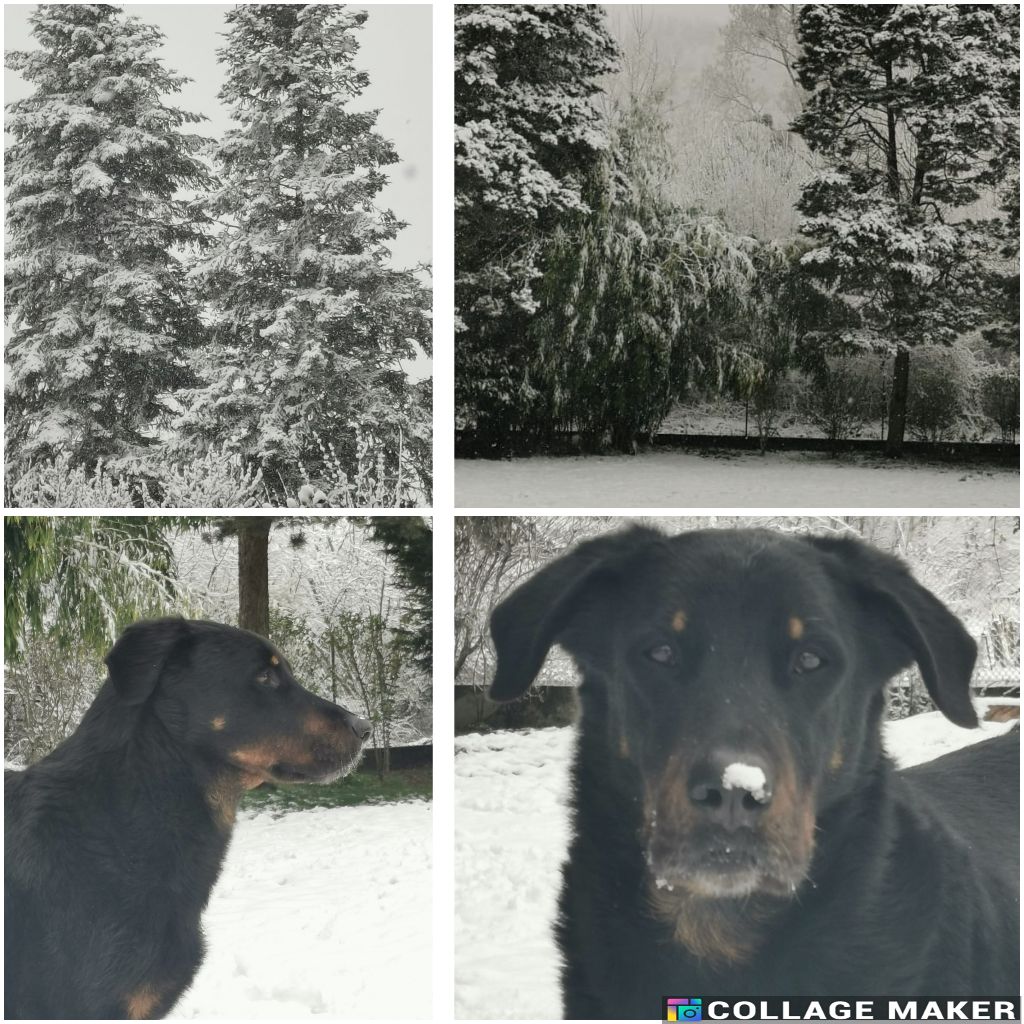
{"x":737,"y":676}
{"x":231,"y":695}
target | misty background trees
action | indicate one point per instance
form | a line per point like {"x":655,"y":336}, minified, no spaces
{"x":182,"y":310}
{"x":805,"y":209}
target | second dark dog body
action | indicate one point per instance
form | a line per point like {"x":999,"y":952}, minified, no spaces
{"x":739,"y":831}
{"x":114,"y":841}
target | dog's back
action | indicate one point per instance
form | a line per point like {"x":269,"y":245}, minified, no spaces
{"x":972,"y":795}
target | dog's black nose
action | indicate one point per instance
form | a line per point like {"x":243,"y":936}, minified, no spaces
{"x":731,"y":788}
{"x":361,"y":727}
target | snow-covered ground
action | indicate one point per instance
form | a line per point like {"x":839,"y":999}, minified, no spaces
{"x":729,"y":480}
{"x":323,"y":912}
{"x":511,"y":834}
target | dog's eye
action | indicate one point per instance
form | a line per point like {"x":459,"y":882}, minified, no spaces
{"x":806,"y":661}
{"x":266,"y":679}
{"x":662,"y":654}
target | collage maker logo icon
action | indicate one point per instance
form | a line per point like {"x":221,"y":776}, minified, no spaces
{"x":683,"y":1009}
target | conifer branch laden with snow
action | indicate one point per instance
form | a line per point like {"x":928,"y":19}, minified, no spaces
{"x":96,"y":301}
{"x":526,"y":135}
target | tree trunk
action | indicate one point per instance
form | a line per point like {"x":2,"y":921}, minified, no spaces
{"x":334,"y":673}
{"x":253,"y":578}
{"x":892,"y":161}
{"x":898,"y":403}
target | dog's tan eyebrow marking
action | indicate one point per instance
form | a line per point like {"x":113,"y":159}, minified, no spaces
{"x":679,"y":621}
{"x":275,"y":660}
{"x":218,"y":723}
{"x":796,"y":628}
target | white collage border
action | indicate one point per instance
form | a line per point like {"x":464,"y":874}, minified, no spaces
{"x":443,"y":511}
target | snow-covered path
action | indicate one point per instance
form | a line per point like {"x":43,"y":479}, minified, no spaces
{"x":323,"y":912}
{"x":511,"y":833}
{"x":739,"y":480}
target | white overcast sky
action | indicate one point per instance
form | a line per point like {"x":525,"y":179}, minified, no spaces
{"x":395,"y":50}
{"x":686,"y":35}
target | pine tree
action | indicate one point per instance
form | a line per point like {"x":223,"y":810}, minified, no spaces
{"x":309,"y":319}
{"x":527,"y":132}
{"x":409,"y":541}
{"x":96,"y":300}
{"x":915,"y":109}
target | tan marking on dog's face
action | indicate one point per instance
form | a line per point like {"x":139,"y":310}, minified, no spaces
{"x":667,"y":799}
{"x":218,"y":723}
{"x":790,"y":820}
{"x":679,"y":621}
{"x":795,"y":628}
{"x":275,"y":660}
{"x":140,"y":1004}
{"x":259,"y":757}
{"x":316,"y":724}
{"x":253,"y":764}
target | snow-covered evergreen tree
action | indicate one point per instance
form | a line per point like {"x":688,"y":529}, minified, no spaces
{"x":526,"y":134}
{"x":309,"y":321}
{"x":96,"y":302}
{"x":915,"y":109}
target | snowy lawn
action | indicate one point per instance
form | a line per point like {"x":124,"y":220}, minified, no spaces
{"x":321,"y":912}
{"x":733,"y":480}
{"x":511,"y":834}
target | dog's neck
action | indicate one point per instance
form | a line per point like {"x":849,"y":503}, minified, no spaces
{"x":223,"y":790}
{"x":112,"y":729}
{"x":720,"y":932}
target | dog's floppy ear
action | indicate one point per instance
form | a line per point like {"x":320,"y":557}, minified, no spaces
{"x":526,"y":624}
{"x":941,"y":646}
{"x":136,"y":661}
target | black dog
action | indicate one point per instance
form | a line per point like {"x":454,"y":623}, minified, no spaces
{"x":114,"y":841}
{"x":739,"y":831}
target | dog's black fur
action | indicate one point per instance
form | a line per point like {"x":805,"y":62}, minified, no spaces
{"x":114,"y":841}
{"x":838,"y":876}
